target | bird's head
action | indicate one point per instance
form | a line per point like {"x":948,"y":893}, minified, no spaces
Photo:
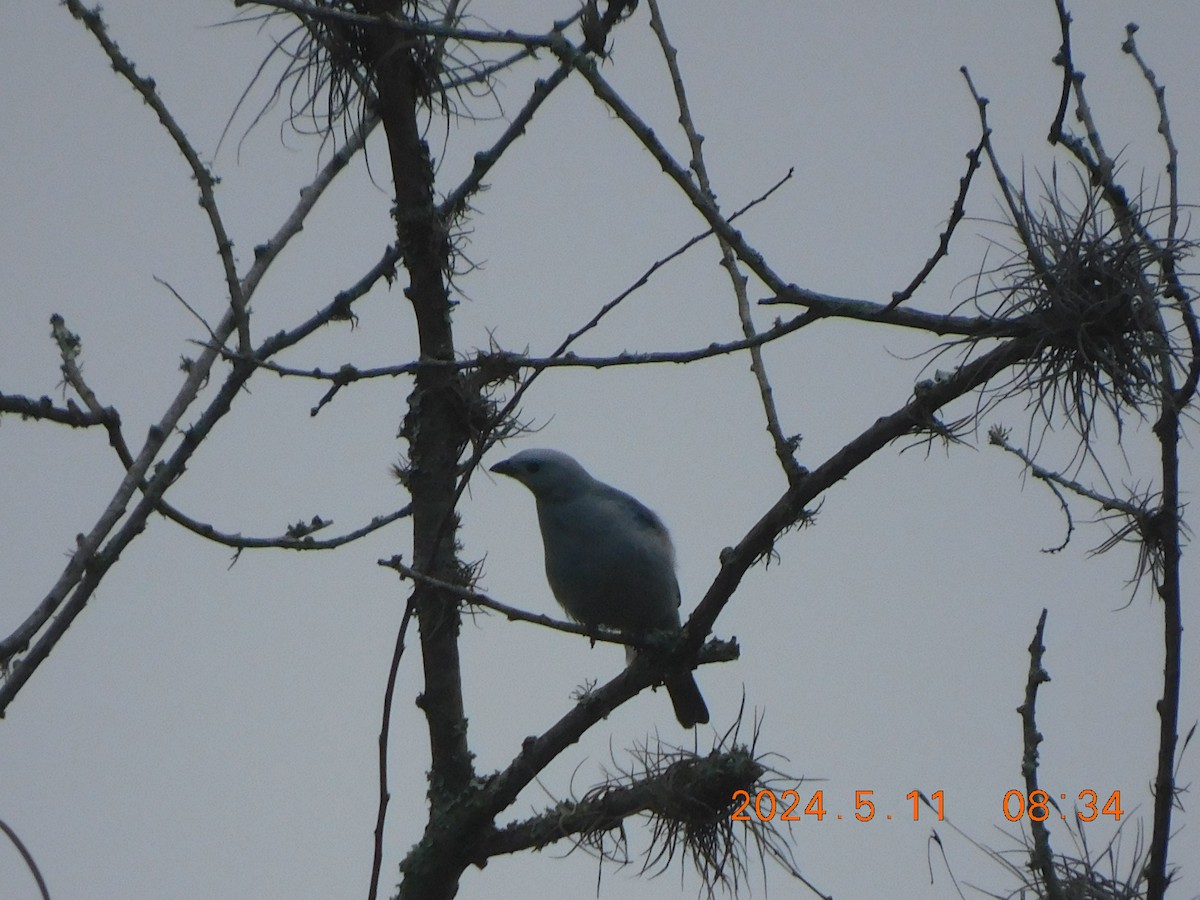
{"x":550,"y":474}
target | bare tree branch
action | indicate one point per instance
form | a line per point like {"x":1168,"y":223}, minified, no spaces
{"x":28,"y":858}
{"x":96,"y":551}
{"x":147,"y":88}
{"x":1042,"y":857}
{"x":785,"y":446}
{"x":957,"y":211}
{"x":43,"y":408}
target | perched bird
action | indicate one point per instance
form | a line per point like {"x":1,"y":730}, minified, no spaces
{"x":609,"y":559}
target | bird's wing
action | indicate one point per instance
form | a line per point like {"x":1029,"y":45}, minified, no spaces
{"x":641,"y":516}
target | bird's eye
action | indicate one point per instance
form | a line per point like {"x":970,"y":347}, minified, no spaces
{"x":532,"y":467}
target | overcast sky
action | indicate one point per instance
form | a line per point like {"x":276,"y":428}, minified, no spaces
{"x":207,"y":730}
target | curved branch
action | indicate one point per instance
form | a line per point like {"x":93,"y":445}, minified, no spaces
{"x":957,"y":211}
{"x":785,"y":446}
{"x":28,"y":857}
{"x":298,"y":537}
{"x":204,"y":179}
{"x":99,"y":549}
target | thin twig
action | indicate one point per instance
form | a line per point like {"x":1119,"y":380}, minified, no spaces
{"x":1062,"y":59}
{"x":97,"y":550}
{"x":204,"y":179}
{"x":820,"y":304}
{"x":957,"y":211}
{"x":1175,"y":289}
{"x":385,"y":728}
{"x":1041,"y":857}
{"x":1104,"y":501}
{"x":785,"y":446}
{"x":69,"y":348}
{"x":287,"y":541}
{"x":28,"y":857}
{"x":1016,"y":210}
{"x":512,"y":613}
{"x":456,"y":201}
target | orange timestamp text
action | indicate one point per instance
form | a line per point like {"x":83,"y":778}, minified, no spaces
{"x":1036,"y":805}
{"x":765,"y":806}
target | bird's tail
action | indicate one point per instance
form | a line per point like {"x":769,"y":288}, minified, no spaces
{"x":690,"y":708}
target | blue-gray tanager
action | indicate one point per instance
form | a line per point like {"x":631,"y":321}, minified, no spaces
{"x":609,"y":559}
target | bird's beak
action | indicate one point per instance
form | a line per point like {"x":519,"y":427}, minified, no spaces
{"x":505,"y":467}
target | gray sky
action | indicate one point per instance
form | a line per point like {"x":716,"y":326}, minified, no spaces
{"x":209,"y":731}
